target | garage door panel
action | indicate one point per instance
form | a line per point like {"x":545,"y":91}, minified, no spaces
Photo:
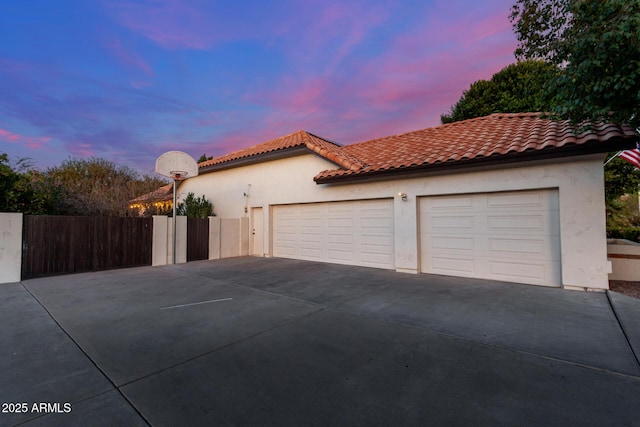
{"x":542,"y":200}
{"x":517,"y":272}
{"x":311,"y":223}
{"x":518,"y":246}
{"x":307,"y":252}
{"x":451,"y":222}
{"x":382,"y":241}
{"x":509,"y":236}
{"x":342,"y":257}
{"x":514,"y":201}
{"x":334,"y":223}
{"x":354,"y":233}
{"x":453,"y":243}
{"x":515,"y":222}
{"x":453,"y":266}
{"x":334,"y":238}
{"x":450,"y":203}
{"x":287,"y":250}
{"x":376,"y":259}
{"x":377,"y":222}
{"x":314,"y":238}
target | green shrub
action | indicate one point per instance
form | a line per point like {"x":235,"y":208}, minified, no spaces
{"x":195,"y":207}
{"x":627,"y":233}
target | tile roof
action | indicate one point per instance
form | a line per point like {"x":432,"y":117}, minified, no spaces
{"x":500,"y":137}
{"x":495,"y":136}
{"x":301,"y":138}
{"x":161,"y":194}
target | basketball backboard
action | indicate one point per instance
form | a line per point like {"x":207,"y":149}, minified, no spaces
{"x":176,"y":165}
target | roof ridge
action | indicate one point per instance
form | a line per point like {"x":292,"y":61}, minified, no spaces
{"x":335,"y":153}
{"x":254,"y":148}
{"x":328,"y":149}
{"x":457,"y":123}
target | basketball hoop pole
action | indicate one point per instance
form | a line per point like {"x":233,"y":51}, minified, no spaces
{"x":175,"y":219}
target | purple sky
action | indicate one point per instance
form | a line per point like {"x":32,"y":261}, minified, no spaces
{"x":128,"y":80}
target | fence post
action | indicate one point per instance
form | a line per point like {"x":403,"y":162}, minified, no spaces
{"x":10,"y":247}
{"x":214,"y":237}
{"x":160,"y":245}
{"x":181,"y":241}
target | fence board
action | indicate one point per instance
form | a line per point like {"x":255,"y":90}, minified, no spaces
{"x":63,"y":244}
{"x":197,"y":239}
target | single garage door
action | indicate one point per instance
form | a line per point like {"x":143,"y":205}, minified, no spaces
{"x":510,"y":236}
{"x":354,"y":233}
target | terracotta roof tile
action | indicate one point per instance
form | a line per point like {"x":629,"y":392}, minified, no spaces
{"x":301,"y":138}
{"x":161,"y":194}
{"x":487,"y":137}
{"x":484,"y":137}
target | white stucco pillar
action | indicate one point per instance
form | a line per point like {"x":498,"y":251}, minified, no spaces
{"x":583,"y":227}
{"x":214,"y":237}
{"x":10,"y":247}
{"x":160,"y":242}
{"x":406,"y":232}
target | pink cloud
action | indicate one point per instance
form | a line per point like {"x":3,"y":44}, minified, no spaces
{"x":29,"y":141}
{"x":171,"y":24}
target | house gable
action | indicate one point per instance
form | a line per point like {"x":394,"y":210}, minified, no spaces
{"x":294,"y":144}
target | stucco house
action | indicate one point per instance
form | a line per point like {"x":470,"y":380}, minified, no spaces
{"x":510,"y":197}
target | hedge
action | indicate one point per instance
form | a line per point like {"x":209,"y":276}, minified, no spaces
{"x":627,"y":233}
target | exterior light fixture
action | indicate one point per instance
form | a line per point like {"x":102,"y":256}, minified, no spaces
{"x":403,"y":196}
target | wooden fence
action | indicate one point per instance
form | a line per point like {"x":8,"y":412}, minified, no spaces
{"x":63,"y":244}
{"x":197,"y":239}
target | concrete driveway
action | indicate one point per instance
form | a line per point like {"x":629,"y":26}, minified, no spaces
{"x":249,"y":341}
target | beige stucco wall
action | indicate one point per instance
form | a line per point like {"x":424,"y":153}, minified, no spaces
{"x":579,"y":180}
{"x":10,"y":247}
{"x":625,"y":258}
{"x":162,"y":249}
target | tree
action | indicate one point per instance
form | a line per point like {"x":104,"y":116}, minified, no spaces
{"x":97,"y":186}
{"x":195,"y":207}
{"x":597,"y":46}
{"x":597,"y":43}
{"x":204,"y":158}
{"x":24,"y":189}
{"x":8,"y":177}
{"x":516,"y":88}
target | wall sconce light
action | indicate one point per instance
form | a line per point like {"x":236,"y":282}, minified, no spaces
{"x":403,"y":196}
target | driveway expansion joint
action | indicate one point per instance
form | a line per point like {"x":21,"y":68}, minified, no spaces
{"x":624,"y":332}
{"x":216,"y":349}
{"x":115,"y":387}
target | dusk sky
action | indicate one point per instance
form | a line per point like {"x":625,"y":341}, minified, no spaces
{"x":128,"y":80}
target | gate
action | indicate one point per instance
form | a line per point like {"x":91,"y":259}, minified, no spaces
{"x":65,"y":244}
{"x":197,"y":239}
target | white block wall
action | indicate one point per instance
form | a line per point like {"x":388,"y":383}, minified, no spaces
{"x":10,"y":247}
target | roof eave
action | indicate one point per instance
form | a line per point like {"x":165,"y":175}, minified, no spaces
{"x":259,"y":158}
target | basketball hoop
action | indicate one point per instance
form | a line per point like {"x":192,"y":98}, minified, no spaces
{"x":179,"y":175}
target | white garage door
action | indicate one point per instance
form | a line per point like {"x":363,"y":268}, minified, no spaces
{"x":354,"y":233}
{"x":510,"y":236}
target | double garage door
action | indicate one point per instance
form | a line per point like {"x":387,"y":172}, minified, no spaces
{"x":511,"y":236}
{"x":354,"y":233}
{"x":508,"y":236}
